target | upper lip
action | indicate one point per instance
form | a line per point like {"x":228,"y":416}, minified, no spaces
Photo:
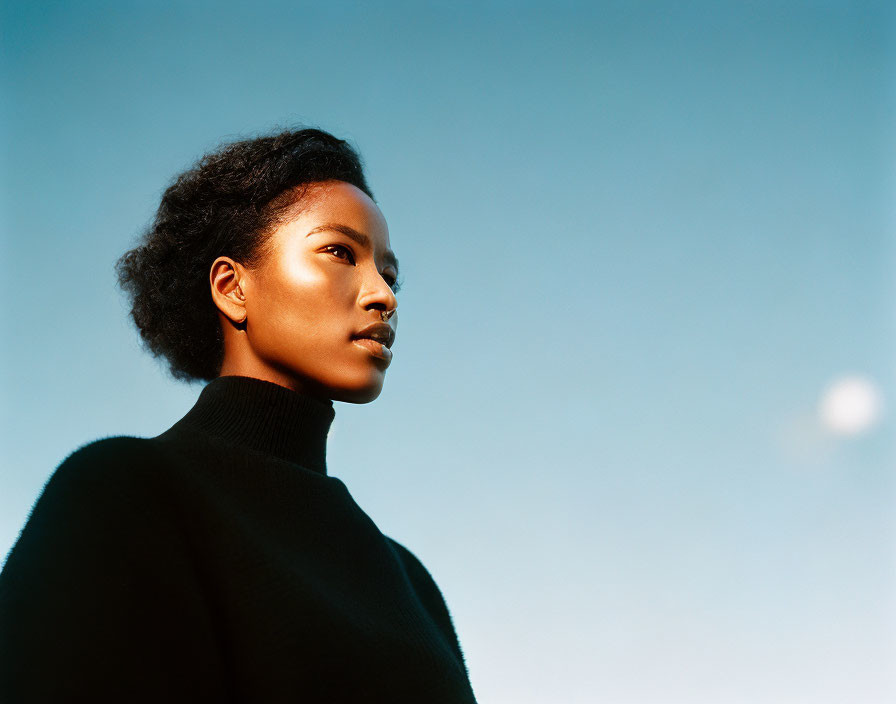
{"x":381,"y":332}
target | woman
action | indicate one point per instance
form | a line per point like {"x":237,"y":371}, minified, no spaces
{"x":219,"y":561}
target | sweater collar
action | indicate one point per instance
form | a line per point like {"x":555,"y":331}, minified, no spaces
{"x":266,"y":417}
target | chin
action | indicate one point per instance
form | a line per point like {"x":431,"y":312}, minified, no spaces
{"x":361,"y":387}
{"x":359,"y":395}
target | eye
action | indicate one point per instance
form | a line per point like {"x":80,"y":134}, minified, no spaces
{"x":392,"y":281}
{"x":341,"y":248}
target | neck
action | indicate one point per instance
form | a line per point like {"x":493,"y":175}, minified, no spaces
{"x":239,"y":361}
{"x":263,"y":416}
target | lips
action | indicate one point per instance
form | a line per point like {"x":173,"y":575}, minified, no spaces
{"x":379,"y":332}
{"x":374,"y":348}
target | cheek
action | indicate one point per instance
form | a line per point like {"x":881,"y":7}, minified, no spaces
{"x":290,"y":310}
{"x":296,"y":306}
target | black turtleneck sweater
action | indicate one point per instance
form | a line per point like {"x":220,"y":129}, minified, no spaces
{"x":219,"y":562}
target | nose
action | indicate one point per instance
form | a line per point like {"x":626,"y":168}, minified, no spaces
{"x":379,"y":295}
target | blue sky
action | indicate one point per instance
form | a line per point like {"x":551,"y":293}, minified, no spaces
{"x":639,"y":241}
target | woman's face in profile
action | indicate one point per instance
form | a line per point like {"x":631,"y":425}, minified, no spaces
{"x":328,"y":275}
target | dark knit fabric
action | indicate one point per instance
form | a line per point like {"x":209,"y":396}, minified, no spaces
{"x":219,"y":562}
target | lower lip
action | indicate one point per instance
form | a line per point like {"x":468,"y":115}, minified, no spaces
{"x":374,"y":348}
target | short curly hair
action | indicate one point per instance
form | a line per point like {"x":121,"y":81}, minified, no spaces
{"x":225,"y":205}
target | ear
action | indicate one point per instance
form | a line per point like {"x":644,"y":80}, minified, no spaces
{"x":227,"y":279}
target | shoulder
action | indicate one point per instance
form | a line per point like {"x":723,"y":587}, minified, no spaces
{"x":110,"y":461}
{"x":111,"y":449}
{"x":418,"y":573}
{"x":118,"y":471}
{"x":407,"y":557}
{"x":103,"y":492}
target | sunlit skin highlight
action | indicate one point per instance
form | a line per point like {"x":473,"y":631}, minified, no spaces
{"x":290,"y":320}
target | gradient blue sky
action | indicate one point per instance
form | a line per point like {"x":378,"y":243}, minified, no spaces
{"x":638,"y":240}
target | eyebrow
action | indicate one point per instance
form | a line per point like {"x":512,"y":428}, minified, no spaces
{"x":358,"y":237}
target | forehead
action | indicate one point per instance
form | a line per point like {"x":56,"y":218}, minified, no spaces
{"x":338,"y":202}
{"x":335,"y":207}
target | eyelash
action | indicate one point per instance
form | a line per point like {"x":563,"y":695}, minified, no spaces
{"x":395,"y":286}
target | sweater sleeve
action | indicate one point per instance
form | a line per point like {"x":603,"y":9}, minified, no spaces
{"x":98,"y":599}
{"x":433,"y":599}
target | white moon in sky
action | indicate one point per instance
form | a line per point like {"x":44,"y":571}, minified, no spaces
{"x":850,"y":405}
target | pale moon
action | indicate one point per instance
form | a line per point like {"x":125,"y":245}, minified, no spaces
{"x":850,"y":405}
